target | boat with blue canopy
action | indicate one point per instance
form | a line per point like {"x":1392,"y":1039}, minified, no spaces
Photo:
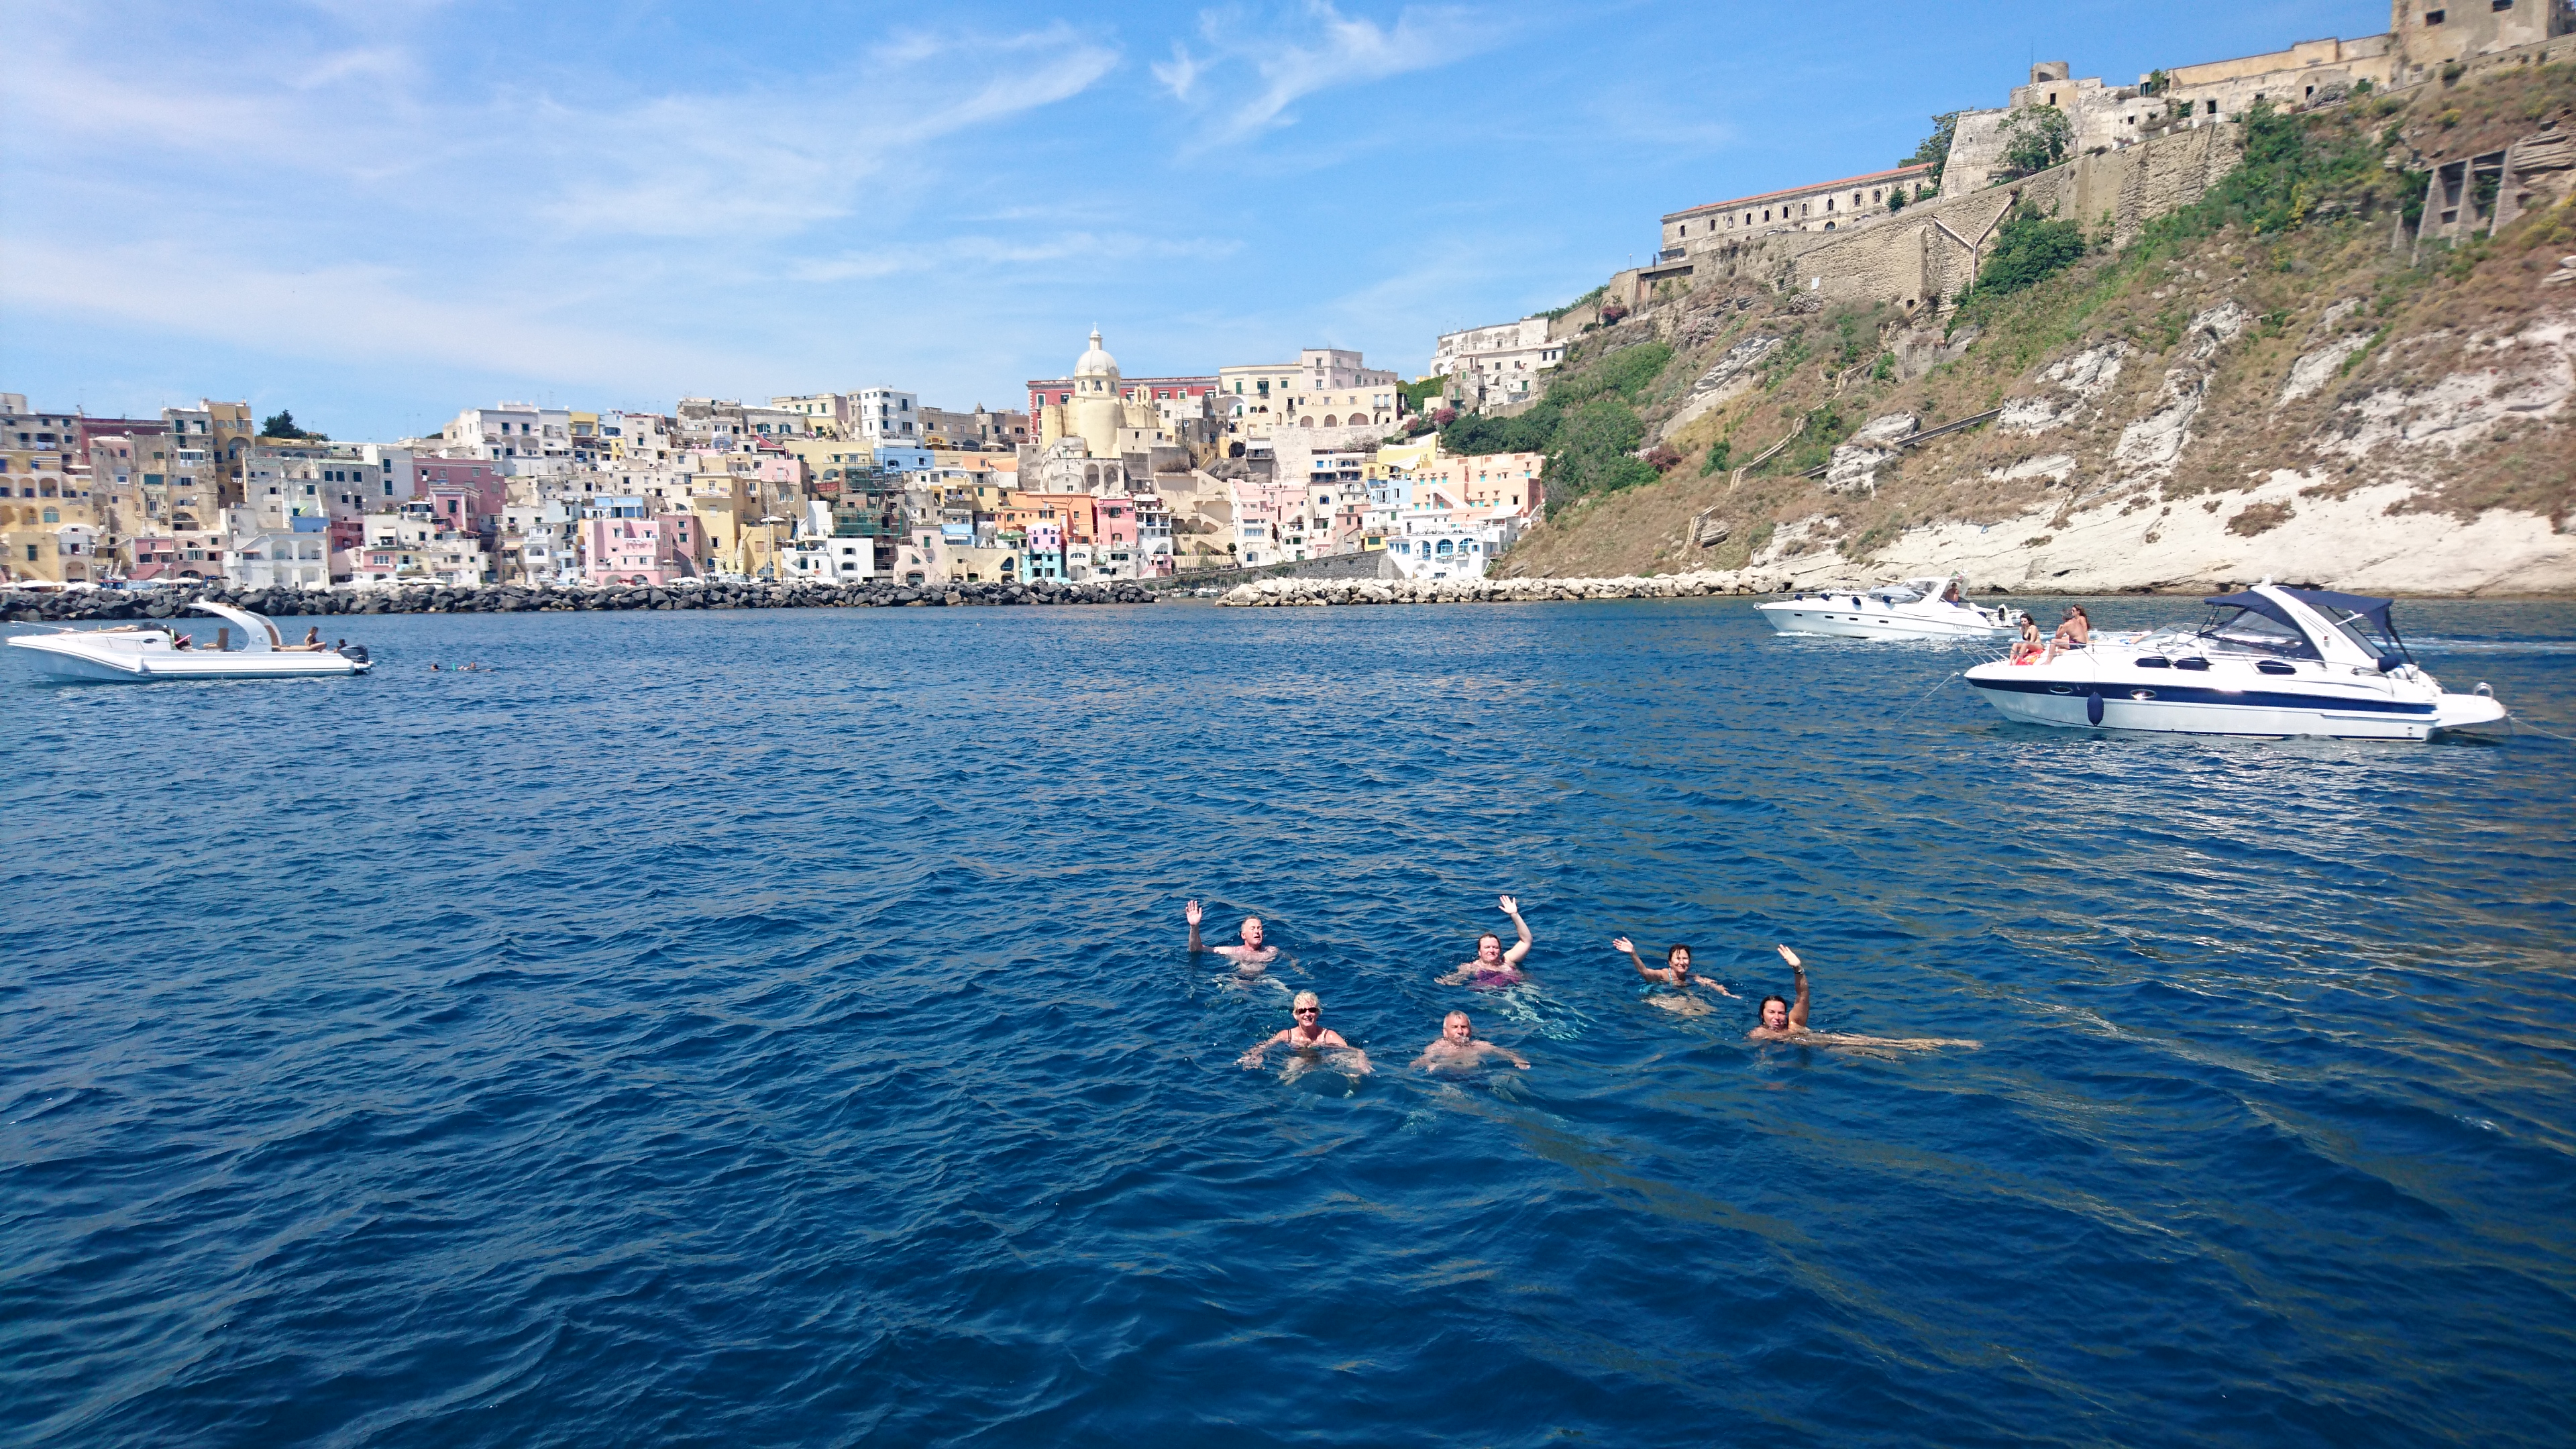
{"x":2268,"y":660}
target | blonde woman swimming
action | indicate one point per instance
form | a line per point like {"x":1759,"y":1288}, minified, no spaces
{"x":1309,"y":1039}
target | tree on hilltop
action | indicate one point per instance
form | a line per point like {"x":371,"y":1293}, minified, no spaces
{"x":1935,"y":150}
{"x":281,"y":424}
{"x":2038,"y":139}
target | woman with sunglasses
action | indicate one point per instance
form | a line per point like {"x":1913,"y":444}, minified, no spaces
{"x":1309,"y":1039}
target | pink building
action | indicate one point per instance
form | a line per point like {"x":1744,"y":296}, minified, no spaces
{"x":652,"y":550}
{"x":1045,"y":390}
{"x":467,"y":490}
{"x":153,"y":558}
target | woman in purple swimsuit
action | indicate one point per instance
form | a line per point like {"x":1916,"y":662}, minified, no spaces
{"x":1493,"y":965}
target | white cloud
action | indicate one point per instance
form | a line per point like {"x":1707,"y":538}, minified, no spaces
{"x":951,"y":255}
{"x":347,"y":313}
{"x":1319,"y":49}
{"x":1180,"y":74}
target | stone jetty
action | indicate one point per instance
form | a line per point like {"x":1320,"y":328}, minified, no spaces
{"x":69,"y":606}
{"x":1310,"y":593}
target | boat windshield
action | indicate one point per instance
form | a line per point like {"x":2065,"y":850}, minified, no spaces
{"x":2233,"y":626}
{"x":1897,"y":594}
{"x":2372,"y":634}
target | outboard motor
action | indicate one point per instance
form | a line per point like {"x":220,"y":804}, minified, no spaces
{"x":354,"y":653}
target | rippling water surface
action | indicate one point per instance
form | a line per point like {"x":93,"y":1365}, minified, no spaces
{"x":770,"y":1028}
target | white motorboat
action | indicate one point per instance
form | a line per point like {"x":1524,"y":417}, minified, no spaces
{"x":2268,"y":661}
{"x":136,"y":652}
{"x":1913,"y":609}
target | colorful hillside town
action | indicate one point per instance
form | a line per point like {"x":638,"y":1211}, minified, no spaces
{"x":1104,"y":477}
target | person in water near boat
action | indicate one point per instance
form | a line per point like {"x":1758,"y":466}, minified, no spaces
{"x":1252,"y":954}
{"x":1676,"y":972}
{"x":2029,"y":646}
{"x":1493,"y":965}
{"x":1458,"y":1046}
{"x":1309,"y":1039}
{"x":1784,"y":1020}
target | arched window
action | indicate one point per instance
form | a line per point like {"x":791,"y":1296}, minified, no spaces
{"x":1305,"y":422}
{"x":53,"y":515}
{"x":1443,"y":550}
{"x":1330,"y":421}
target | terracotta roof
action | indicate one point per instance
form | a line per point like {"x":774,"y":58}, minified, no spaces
{"x":1801,"y":191}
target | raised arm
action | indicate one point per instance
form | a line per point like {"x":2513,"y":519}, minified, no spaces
{"x":1193,"y":914}
{"x":1797,"y":1008}
{"x":1622,"y":943}
{"x":1520,"y":948}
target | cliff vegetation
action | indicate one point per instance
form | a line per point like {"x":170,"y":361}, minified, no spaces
{"x":2278,"y":348}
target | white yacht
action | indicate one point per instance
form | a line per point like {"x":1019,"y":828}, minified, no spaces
{"x":134,"y":652}
{"x":2268,"y":661}
{"x":1914,"y":609}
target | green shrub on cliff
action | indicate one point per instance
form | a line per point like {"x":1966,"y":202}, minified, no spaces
{"x":2030,"y":249}
{"x":1531,"y":432}
{"x":2297,"y":169}
{"x":1586,"y":424}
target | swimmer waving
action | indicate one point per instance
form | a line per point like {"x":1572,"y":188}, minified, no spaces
{"x":1783,"y":1020}
{"x":1249,"y":957}
{"x":1675,"y":972}
{"x":1493,"y":965}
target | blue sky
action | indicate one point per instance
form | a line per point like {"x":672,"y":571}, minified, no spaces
{"x":379,"y":211}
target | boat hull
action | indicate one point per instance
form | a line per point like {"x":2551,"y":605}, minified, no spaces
{"x":2172,"y":709}
{"x":1812,"y":616}
{"x":61,"y":657}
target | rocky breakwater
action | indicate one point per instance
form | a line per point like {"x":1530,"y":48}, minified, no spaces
{"x":1313,"y":593}
{"x":74,"y":606}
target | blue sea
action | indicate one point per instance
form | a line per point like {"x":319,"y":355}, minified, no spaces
{"x":754,"y":1029}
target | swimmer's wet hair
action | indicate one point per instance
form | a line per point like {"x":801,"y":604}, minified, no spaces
{"x":1306,"y":998}
{"x":1766,"y":1004}
{"x":1489,"y":936}
{"x":1677,"y":946}
{"x":1460,"y":1015}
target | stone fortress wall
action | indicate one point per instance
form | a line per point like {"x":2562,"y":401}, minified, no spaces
{"x":2134,"y":156}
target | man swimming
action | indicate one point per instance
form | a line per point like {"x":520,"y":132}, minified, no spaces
{"x":1786,"y":1021}
{"x":1457,"y":1046}
{"x":1493,"y":965}
{"x":1251,"y":954}
{"x":1309,"y":1038}
{"x":1676,"y":971}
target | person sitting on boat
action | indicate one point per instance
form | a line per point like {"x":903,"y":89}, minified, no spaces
{"x":2073,"y":634}
{"x":2029,"y":646}
{"x":1251,"y":955}
{"x":1951,"y":594}
{"x":1676,"y":970}
{"x":1458,"y":1046}
{"x":184,"y":641}
{"x":1308,"y":1039}
{"x":1493,"y":965}
{"x":1783,"y":1020}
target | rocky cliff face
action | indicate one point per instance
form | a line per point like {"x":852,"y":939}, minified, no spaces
{"x":2306,"y":394}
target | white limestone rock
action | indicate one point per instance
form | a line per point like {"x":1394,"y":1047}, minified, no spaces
{"x":1854,"y":465}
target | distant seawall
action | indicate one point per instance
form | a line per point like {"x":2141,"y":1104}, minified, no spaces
{"x":1309,"y":593}
{"x":25,"y":606}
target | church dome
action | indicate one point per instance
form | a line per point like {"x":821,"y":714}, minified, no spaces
{"x":1095,"y":363}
